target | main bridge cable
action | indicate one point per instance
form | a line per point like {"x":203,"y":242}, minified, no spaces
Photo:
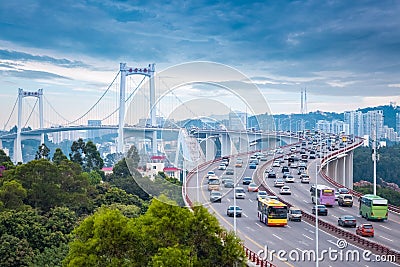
{"x":12,"y":111}
{"x":108,"y":88}
{"x":126,"y":100}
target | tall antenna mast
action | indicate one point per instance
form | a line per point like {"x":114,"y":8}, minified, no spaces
{"x":305,"y":100}
{"x":302,"y":102}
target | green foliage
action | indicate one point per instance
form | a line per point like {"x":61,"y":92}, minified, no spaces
{"x":389,"y":159}
{"x":14,"y":251}
{"x":43,"y":152}
{"x":172,"y":257}
{"x":167,"y":235}
{"x":12,"y":195}
{"x":58,"y":156}
{"x":51,"y":256}
{"x":92,"y":160}
{"x":4,"y":159}
{"x":77,"y":149}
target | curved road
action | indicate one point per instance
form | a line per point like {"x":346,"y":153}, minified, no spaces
{"x":297,"y":239}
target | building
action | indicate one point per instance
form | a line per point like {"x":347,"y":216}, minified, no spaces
{"x":91,"y":134}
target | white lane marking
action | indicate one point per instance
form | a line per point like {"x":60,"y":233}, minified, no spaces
{"x":251,"y":229}
{"x":228,"y":200}
{"x":342,"y":209}
{"x":330,"y":241}
{"x":277,"y":236}
{"x":335,"y":216}
{"x":305,"y":200}
{"x":308,"y":237}
{"x":259,"y":225}
{"x":245,"y":215}
{"x":250,"y":200}
{"x":386,"y":238}
{"x":288,"y":226}
{"x":300,"y":250}
{"x":385,"y":227}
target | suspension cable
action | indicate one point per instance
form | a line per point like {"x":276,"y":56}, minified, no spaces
{"x":33,"y":109}
{"x":126,"y":100}
{"x":12,"y":111}
{"x":108,"y":88}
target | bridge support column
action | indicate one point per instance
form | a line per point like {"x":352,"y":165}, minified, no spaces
{"x":349,"y":170}
{"x":121,"y":116}
{"x":226,"y":146}
{"x":211,"y":149}
{"x":340,"y":174}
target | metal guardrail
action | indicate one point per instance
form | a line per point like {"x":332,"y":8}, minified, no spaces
{"x":338,"y":232}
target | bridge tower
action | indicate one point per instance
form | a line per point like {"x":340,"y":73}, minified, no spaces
{"x":126,"y":71}
{"x":17,"y":142}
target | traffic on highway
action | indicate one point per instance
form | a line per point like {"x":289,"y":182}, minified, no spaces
{"x":249,"y":203}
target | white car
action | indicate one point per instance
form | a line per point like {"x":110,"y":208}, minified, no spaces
{"x":239,"y":192}
{"x":222,"y":166}
{"x":285,"y":190}
{"x":262,"y":194}
{"x":305,"y":179}
{"x":289,"y":179}
{"x":276,"y":163}
{"x":279,"y":182}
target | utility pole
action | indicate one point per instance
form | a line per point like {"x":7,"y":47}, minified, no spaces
{"x":374,"y":152}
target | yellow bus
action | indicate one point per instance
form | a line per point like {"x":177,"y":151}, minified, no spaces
{"x":272,"y":212}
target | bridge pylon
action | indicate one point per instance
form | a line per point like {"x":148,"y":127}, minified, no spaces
{"x":17,"y":143}
{"x":126,"y":71}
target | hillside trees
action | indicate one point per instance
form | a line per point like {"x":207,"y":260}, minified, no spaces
{"x":165,"y":232}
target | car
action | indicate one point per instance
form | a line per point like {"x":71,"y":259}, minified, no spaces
{"x":294,"y":165}
{"x":232,"y":210}
{"x":279,"y":182}
{"x":285,"y":169}
{"x":215,"y":196}
{"x":255,"y":161}
{"x":294,"y":214}
{"x":293,"y":149}
{"x":252,"y":166}
{"x":263,"y":158}
{"x":271,"y":174}
{"x":239,"y":163}
{"x":365,"y":229}
{"x":285,"y":190}
{"x":343,"y":190}
{"x":301,"y":170}
{"x":210,"y":173}
{"x":285,"y":174}
{"x":262,"y":194}
{"x":252,"y":187}
{"x":229,"y":183}
{"x":224,"y":178}
{"x":312,"y":156}
{"x":336,"y":196}
{"x":222,"y":166}
{"x":276,"y":163}
{"x":289,"y":179}
{"x":322,"y":210}
{"x":305,"y":179}
{"x":239,"y":192}
{"x":229,"y":171}
{"x":347,"y":220}
{"x":345,"y":200}
{"x":225,"y":161}
{"x":247,"y":180}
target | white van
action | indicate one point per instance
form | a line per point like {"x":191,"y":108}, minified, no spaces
{"x":294,"y":214}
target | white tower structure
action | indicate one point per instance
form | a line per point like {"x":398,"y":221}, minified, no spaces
{"x":17,"y":144}
{"x":126,"y":71}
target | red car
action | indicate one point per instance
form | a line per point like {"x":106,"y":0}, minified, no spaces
{"x":365,"y":229}
{"x":252,"y":187}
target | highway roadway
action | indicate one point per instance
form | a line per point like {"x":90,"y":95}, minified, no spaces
{"x":297,"y":239}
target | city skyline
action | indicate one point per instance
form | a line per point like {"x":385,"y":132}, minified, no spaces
{"x":345,"y":54}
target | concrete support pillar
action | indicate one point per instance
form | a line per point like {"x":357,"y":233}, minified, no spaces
{"x":211,"y":149}
{"x":349,"y":170}
{"x":226,"y":146}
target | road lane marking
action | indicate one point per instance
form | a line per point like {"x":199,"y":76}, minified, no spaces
{"x":308,"y":237}
{"x":277,"y":236}
{"x":305,"y":201}
{"x":342,"y":209}
{"x":245,"y":215}
{"x":259,"y":225}
{"x":335,"y":216}
{"x":386,"y":238}
{"x":385,"y":227}
{"x":250,"y":200}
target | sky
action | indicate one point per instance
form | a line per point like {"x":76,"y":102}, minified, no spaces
{"x":345,"y":53}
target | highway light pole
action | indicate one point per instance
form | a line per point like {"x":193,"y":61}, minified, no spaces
{"x":316,"y":214}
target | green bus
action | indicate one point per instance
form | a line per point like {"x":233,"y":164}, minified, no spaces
{"x":373,"y":207}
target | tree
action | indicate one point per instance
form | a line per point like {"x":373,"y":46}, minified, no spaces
{"x":43,"y":152}
{"x":77,"y":149}
{"x":4,"y":159}
{"x":12,"y":194}
{"x":14,"y":251}
{"x":92,"y":160}
{"x":133,"y":157}
{"x":171,"y":257}
{"x":58,"y":156}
